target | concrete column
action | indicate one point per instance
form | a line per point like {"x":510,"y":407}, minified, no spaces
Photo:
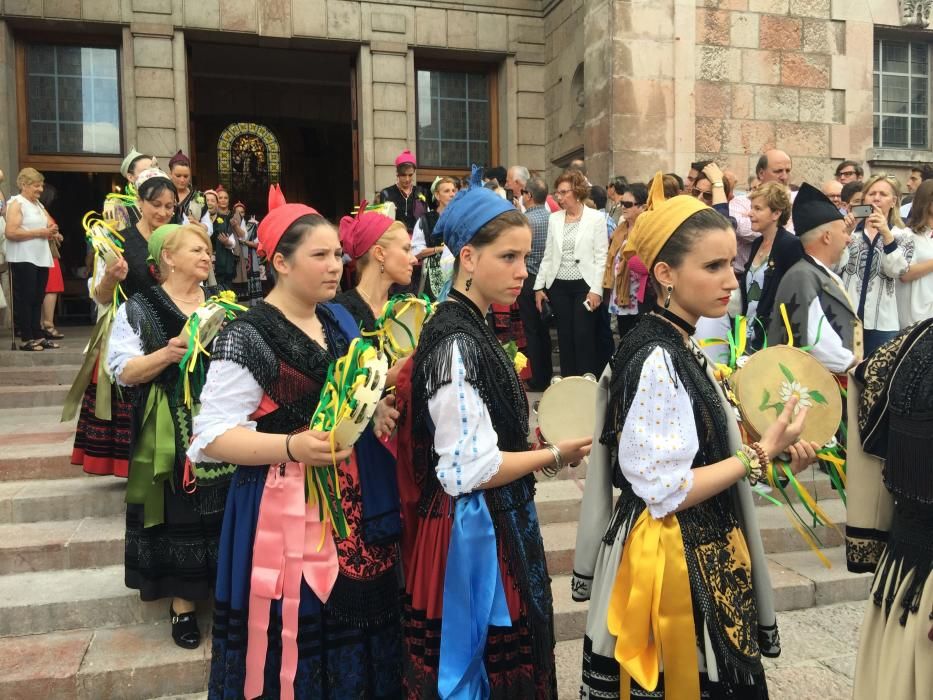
{"x":365,"y":96}
{"x":158,"y":92}
{"x":393,"y":109}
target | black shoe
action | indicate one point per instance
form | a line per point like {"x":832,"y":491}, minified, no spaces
{"x":185,"y":630}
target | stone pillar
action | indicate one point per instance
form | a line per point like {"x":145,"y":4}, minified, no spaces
{"x":390,"y":67}
{"x":639,"y":110}
{"x":9,"y":129}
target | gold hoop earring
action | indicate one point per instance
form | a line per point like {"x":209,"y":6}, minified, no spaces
{"x":469,"y":283}
{"x":667,"y":299}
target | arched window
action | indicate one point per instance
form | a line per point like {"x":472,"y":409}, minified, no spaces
{"x":248,"y":159}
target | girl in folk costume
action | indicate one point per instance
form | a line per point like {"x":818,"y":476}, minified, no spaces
{"x":889,"y":526}
{"x":427,"y":245}
{"x":192,"y":206}
{"x":102,"y":437}
{"x":381,"y":251}
{"x":300,"y":612}
{"x":680,"y":551}
{"x":171,"y":535}
{"x":246,"y":283}
{"x":478,"y":618}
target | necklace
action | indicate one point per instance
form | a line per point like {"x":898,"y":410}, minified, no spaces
{"x":196,"y":300}
{"x":676,"y":320}
{"x":369,"y":301}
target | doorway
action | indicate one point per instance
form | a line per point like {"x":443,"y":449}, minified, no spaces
{"x":299,"y":99}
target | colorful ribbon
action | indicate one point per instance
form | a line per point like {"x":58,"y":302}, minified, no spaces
{"x":391,"y":312}
{"x":650,"y":610}
{"x":191,"y":364}
{"x":474,"y":599}
{"x":153,"y":461}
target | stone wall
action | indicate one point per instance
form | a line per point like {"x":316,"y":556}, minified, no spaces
{"x":791,"y":74}
{"x":564,"y":88}
{"x":386,"y":37}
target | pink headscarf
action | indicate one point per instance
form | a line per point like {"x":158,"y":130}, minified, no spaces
{"x":358,"y":234}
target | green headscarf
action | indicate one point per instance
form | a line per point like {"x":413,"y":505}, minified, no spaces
{"x":157,"y":240}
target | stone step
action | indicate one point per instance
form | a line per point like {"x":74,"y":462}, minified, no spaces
{"x":799,"y":580}
{"x":61,"y":544}
{"x":30,"y":376}
{"x":47,"y":358}
{"x":35,"y":444}
{"x":133,"y":662}
{"x":50,"y":601}
{"x":33,"y":395}
{"x":37,"y":462}
{"x":777,"y":535}
{"x":80,"y":497}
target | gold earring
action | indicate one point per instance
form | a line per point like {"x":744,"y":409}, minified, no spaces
{"x":469,"y":283}
{"x":382,"y":268}
{"x":667,"y":300}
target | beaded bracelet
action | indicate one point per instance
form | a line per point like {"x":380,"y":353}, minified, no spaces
{"x":754,"y":467}
{"x":762,"y":456}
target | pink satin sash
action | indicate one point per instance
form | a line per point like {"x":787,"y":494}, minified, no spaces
{"x":287,"y":548}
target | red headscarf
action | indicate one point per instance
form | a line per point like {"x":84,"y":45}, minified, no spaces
{"x":281,"y":215}
{"x":358,"y":234}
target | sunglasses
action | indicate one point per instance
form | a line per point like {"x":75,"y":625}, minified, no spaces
{"x":628,"y":205}
{"x":705,"y":196}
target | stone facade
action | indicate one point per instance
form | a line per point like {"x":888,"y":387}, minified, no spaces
{"x":635,"y":85}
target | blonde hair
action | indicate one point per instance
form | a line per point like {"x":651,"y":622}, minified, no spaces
{"x":29,"y":176}
{"x":173,"y":240}
{"x":894,"y":216}
{"x":366,"y":258}
{"x":776,"y":197}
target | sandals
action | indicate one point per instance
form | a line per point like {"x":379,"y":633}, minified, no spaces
{"x":52,"y":333}
{"x":49,"y":344}
{"x":185,"y":629}
{"x":32,"y":346}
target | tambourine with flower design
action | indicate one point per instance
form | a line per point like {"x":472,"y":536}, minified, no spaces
{"x":567,"y":410}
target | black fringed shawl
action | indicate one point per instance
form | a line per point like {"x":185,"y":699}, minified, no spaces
{"x":491,"y":372}
{"x":896,"y":423}
{"x":722,"y":593}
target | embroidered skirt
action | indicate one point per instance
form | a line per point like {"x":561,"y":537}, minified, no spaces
{"x":509,"y":659}
{"x":336,"y":660}
{"x":102,"y":447}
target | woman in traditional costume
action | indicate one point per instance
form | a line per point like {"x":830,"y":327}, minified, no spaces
{"x":246,"y":283}
{"x":300,"y":612}
{"x":192,"y":206}
{"x":889,"y":523}
{"x":102,"y":437}
{"x":381,"y":251}
{"x":675,"y":572}
{"x":426,"y":245}
{"x":171,"y":534}
{"x":479,"y":619}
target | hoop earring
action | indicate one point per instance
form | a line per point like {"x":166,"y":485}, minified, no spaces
{"x":469,"y":283}
{"x":667,"y":299}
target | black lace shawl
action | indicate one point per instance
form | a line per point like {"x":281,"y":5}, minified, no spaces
{"x":896,"y":424}
{"x":358,"y":308}
{"x":706,"y":525}
{"x":491,"y":372}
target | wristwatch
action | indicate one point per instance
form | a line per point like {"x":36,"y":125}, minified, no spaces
{"x":717,"y":184}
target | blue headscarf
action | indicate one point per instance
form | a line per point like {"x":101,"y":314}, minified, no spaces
{"x":468,"y":212}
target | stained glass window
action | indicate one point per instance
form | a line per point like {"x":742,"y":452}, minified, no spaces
{"x":901,"y":104}
{"x":73,"y":99}
{"x":454,"y":119}
{"x":248,"y":158}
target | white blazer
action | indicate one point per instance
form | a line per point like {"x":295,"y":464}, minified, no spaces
{"x":590,"y":249}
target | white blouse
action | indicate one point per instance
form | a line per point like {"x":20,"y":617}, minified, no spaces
{"x":230,"y":396}
{"x":464,"y":439}
{"x":32,"y":250}
{"x":915,"y":299}
{"x":124,"y":345}
{"x":659,"y":440}
{"x":887,"y":265}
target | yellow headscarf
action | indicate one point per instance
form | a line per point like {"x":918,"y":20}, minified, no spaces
{"x":658,"y":222}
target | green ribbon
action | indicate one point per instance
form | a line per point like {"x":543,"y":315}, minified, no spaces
{"x":153,"y":460}
{"x":97,"y":348}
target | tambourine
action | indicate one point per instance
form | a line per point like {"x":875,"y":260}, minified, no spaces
{"x":207,"y":321}
{"x":353,"y":389}
{"x":400,"y":324}
{"x":567,"y":410}
{"x":103,"y":238}
{"x":767,"y":379}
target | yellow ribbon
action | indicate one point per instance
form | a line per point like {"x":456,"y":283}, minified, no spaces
{"x":790,"y":333}
{"x":651,"y":611}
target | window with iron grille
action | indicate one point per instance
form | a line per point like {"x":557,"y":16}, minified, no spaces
{"x":901,"y":82}
{"x":454,"y":119}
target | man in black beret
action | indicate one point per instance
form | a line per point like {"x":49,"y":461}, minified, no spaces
{"x":820,"y":312}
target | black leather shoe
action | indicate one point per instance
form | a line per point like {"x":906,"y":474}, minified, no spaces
{"x":185,"y":629}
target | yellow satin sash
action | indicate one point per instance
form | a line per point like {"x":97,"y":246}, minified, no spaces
{"x":651,"y":611}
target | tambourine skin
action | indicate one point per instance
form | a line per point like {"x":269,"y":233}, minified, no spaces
{"x":212,"y":317}
{"x":367,"y":397}
{"x":771,"y":376}
{"x":567,"y":409}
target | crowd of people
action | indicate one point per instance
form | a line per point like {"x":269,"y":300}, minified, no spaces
{"x":412,"y":564}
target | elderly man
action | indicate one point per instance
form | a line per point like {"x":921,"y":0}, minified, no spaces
{"x":773,"y":166}
{"x":820,"y":312}
{"x":833,"y":191}
{"x":515,"y":180}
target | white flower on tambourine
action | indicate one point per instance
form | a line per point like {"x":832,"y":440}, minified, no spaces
{"x":741,"y":361}
{"x":832,"y":444}
{"x":791,"y":389}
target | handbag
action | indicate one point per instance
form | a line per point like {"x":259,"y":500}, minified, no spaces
{"x":56,"y":248}
{"x":547,"y":313}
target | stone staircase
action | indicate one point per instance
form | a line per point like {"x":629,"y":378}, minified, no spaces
{"x":70,"y":629}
